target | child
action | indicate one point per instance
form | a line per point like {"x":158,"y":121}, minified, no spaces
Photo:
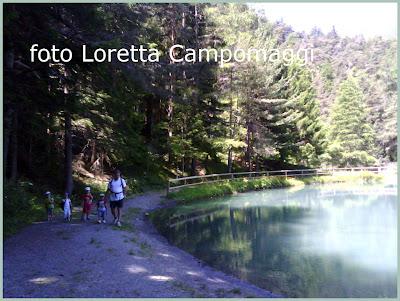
{"x":87,"y":200}
{"x":49,"y":206}
{"x":67,"y":207}
{"x":101,"y":209}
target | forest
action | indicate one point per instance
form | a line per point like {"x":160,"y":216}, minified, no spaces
{"x":69,"y":123}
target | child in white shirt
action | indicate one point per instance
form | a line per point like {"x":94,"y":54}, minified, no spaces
{"x":67,"y":206}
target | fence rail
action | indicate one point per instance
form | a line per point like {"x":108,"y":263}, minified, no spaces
{"x":175,"y":184}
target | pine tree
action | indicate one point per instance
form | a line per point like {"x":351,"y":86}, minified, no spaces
{"x":352,"y":137}
{"x":304,"y":111}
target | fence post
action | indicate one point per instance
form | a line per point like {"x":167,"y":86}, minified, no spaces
{"x":286,"y":174}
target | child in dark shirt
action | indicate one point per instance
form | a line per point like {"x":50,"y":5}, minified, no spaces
{"x":101,"y":209}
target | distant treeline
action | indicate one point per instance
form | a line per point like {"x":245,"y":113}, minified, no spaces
{"x":63,"y":121}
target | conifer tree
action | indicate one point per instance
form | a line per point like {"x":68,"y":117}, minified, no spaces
{"x":304,"y":111}
{"x":351,"y":135}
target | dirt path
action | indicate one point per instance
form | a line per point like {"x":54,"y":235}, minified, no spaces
{"x":91,"y":260}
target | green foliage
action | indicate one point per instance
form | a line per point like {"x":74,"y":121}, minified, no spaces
{"x":230,"y":187}
{"x":210,"y":190}
{"x":155,"y":121}
{"x":351,"y":135}
{"x":304,"y":111}
{"x":23,"y":203}
{"x":327,"y":76}
{"x":365,"y":177}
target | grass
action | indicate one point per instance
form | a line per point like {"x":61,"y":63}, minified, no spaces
{"x":95,"y":242}
{"x":235,"y":291}
{"x":364,"y":177}
{"x":210,"y":190}
{"x":220,"y":292}
{"x":80,"y":276}
{"x":111,"y":250}
{"x":184,"y":287}
{"x":125,"y":227}
{"x":230,"y":187}
{"x":24,"y":201}
{"x":145,"y":249}
{"x":23,"y":204}
{"x":144,"y":246}
{"x":128,"y":215}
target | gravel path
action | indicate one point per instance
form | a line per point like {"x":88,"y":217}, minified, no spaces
{"x":91,"y":260}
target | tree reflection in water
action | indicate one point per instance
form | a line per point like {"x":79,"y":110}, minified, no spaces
{"x":324,"y":241}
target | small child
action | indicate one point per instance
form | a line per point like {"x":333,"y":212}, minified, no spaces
{"x":87,"y":200}
{"x":67,"y":207}
{"x":49,"y":206}
{"x":101,"y":209}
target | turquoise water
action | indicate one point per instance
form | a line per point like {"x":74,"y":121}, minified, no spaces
{"x":317,"y":241}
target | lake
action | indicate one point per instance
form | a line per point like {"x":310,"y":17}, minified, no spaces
{"x":314,"y":241}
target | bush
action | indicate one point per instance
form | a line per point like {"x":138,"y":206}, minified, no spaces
{"x":23,"y":204}
{"x":363,"y":177}
{"x":209,"y":190}
{"x":230,"y":187}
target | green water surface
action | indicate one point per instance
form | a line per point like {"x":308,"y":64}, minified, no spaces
{"x":316,"y":241}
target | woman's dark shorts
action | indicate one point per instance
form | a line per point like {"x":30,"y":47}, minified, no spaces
{"x":116,"y":204}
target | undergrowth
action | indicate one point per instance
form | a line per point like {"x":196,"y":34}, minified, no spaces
{"x":209,"y":190}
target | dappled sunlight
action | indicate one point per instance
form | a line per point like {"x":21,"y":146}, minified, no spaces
{"x":136,"y":269}
{"x":41,"y":222}
{"x":166,"y":255}
{"x":216,"y":280}
{"x":160,"y":278}
{"x":191,"y":273}
{"x":44,"y":280}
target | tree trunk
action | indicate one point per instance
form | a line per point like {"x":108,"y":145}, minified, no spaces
{"x":14,"y":148}
{"x":257,"y":163}
{"x":8,"y":123}
{"x":170,"y":102}
{"x":93,"y":156}
{"x":231,"y":130}
{"x":8,"y":117}
{"x":30,"y":155}
{"x":183,"y":166}
{"x":234,"y":230}
{"x":68,"y":153}
{"x":193,"y":167}
{"x":248,"y":148}
{"x":230,"y":160}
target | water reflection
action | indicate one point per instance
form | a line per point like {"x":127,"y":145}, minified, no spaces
{"x":326,"y":241}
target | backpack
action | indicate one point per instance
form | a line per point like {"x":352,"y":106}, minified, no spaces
{"x":122,"y":186}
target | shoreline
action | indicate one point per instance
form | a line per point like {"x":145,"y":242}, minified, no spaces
{"x":147,"y":265}
{"x":63,"y":260}
{"x":228,"y":187}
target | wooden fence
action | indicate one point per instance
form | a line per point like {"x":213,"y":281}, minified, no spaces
{"x":175,"y":184}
